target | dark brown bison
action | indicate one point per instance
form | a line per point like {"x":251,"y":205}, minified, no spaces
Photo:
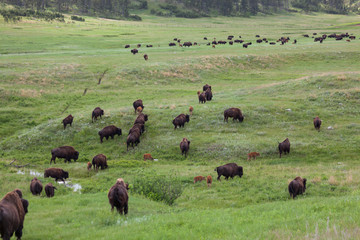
{"x":127,"y":46}
{"x":139,"y":45}
{"x":202,"y":97}
{"x":133,"y":138}
{"x":259,"y":40}
{"x":272,"y":43}
{"x":98,"y":112}
{"x":12,"y":214}
{"x":149,"y":45}
{"x":138,"y":103}
{"x":99,"y":161}
{"x":56,"y":173}
{"x":68,"y":120}
{"x":139,"y":126}
{"x":50,"y":190}
{"x":146,"y":57}
{"x":187,"y":44}
{"x":284,"y":147}
{"x":184,"y":146}
{"x":234,"y":113}
{"x":36,"y":186}
{"x":317,"y":123}
{"x":245,"y":45}
{"x":181,"y":120}
{"x":134,"y":51}
{"x":297,"y":186}
{"x":229,"y":170}
{"x":141,"y":119}
{"x":118,"y":197}
{"x":208,"y":94}
{"x":172,"y":44}
{"x":109,"y":131}
{"x":66,"y":152}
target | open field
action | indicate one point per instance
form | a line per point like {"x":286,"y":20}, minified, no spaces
{"x":45,"y":68}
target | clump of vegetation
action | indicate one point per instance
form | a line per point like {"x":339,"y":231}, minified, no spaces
{"x":16,"y":14}
{"x":77,"y":18}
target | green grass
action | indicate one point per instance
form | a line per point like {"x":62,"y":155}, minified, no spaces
{"x":45,"y":68}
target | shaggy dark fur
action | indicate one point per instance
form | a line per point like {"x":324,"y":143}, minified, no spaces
{"x":234,"y":113}
{"x":50,"y":190}
{"x":297,"y":186}
{"x":118,"y":197}
{"x":109,"y":131}
{"x":141,"y":119}
{"x":184,"y":146}
{"x":36,"y":186}
{"x":208,"y":94}
{"x":98,"y":112}
{"x":68,"y":120}
{"x":202,"y":97}
{"x":99,"y":161}
{"x":138,"y":103}
{"x":229,"y":170}
{"x":317,"y":123}
{"x":133,"y":138}
{"x":139,"y":126}
{"x":66,"y":152}
{"x":181,"y":120}
{"x":284,"y":147}
{"x":56,"y":173}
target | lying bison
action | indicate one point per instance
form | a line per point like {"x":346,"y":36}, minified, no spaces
{"x":284,"y":147}
{"x":99,"y":161}
{"x":36,"y":186}
{"x":50,"y":190}
{"x":56,"y":173}
{"x":317,"y":123}
{"x":109,"y":131}
{"x":229,"y":170}
{"x":138,"y":103}
{"x":118,"y":197}
{"x":66,"y":152}
{"x":12,"y":214}
{"x":181,"y":120}
{"x":234,"y":113}
{"x":68,"y":120}
{"x":184,"y":146}
{"x":97,"y":112}
{"x":297,"y":186}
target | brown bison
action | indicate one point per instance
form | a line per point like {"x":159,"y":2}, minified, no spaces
{"x":253,"y":155}
{"x":317,"y":123}
{"x":66,"y":152}
{"x":138,"y":103}
{"x":147,"y":156}
{"x":184,"y":146}
{"x":206,"y":87}
{"x":89,"y":165}
{"x":234,"y":113}
{"x":198,"y":179}
{"x":56,"y":173}
{"x":133,"y":138}
{"x":98,"y":112}
{"x":284,"y":147}
{"x":12,"y":214}
{"x":127,"y":46}
{"x":209,"y":181}
{"x":229,"y":170}
{"x":139,"y":126}
{"x":118,"y":197}
{"x":297,"y":186}
{"x":191,"y":109}
{"x":208,"y":94}
{"x":202,"y":97}
{"x":36,"y":186}
{"x":68,"y":120}
{"x":141,"y":119}
{"x":181,"y":120}
{"x":109,"y":131}
{"x":146,"y":57}
{"x":99,"y":161}
{"x":187,"y":44}
{"x":50,"y":190}
{"x":139,"y":109}
{"x":134,"y":51}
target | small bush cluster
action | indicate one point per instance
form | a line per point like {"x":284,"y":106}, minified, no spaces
{"x":16,"y":14}
{"x":173,"y":10}
{"x":77,"y":18}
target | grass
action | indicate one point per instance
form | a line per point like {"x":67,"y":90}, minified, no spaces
{"x":45,"y":68}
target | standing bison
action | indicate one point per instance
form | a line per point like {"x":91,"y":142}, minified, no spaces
{"x":181,"y":120}
{"x":284,"y":147}
{"x":68,"y":120}
{"x":99,"y":161}
{"x":50,"y":190}
{"x":229,"y":170}
{"x":208,"y":94}
{"x":234,"y":113}
{"x":202,"y":97}
{"x":109,"y":131}
{"x":66,"y":152}
{"x":97,"y":112}
{"x":36,"y":186}
{"x":184,"y":146}
{"x":118,"y":197}
{"x":138,"y":103}
{"x":317,"y":123}
{"x":56,"y":173}
{"x":12,"y":214}
{"x":297,"y":186}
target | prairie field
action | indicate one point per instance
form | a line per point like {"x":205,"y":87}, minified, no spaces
{"x":49,"y":70}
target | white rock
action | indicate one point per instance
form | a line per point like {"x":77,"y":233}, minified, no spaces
{"x":330,"y":128}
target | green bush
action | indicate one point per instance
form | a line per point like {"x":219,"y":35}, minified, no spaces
{"x":77,"y":18}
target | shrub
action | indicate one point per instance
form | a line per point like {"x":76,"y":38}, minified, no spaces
{"x":77,"y":18}
{"x":134,"y":17}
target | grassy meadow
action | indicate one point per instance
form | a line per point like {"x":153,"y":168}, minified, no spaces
{"x":45,"y":69}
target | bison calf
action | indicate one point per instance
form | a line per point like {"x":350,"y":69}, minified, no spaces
{"x":147,"y":156}
{"x":284,"y":147}
{"x":50,"y":190}
{"x":66,"y":152}
{"x":234,"y":113}
{"x":89,"y":165}
{"x":253,"y":155}
{"x":97,"y":112}
{"x":138,"y":103}
{"x":209,"y":181}
{"x":317,"y":123}
{"x":36,"y":186}
{"x":68,"y":120}
{"x":184,"y":146}
{"x":297,"y":186}
{"x":198,"y":179}
{"x":109,"y":131}
{"x":229,"y":170}
{"x":99,"y":161}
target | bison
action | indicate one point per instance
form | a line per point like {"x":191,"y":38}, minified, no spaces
{"x":202,"y":97}
{"x":297,"y":186}
{"x":208,"y":94}
{"x":253,"y":155}
{"x":209,"y":181}
{"x":138,"y":103}
{"x":191,"y":109}
{"x":147,"y":156}
{"x":68,"y":120}
{"x":172,"y":44}
{"x":99,"y":161}
{"x":134,"y":51}
{"x":184,"y":146}
{"x":139,"y":126}
{"x":127,"y":46}
{"x":141,"y":119}
{"x":98,"y":112}
{"x":56,"y":173}
{"x":146,"y":57}
{"x":317,"y":123}
{"x":284,"y":147}
{"x":66,"y":152}
{"x":133,"y":138}
{"x":181,"y":120}
{"x":198,"y":179}
{"x":12,"y":214}
{"x":89,"y":165}
{"x":50,"y":190}
{"x":109,"y":131}
{"x":36,"y":186}
{"x":187,"y":44}
{"x":229,"y":170}
{"x":118,"y":197}
{"x":234,"y":113}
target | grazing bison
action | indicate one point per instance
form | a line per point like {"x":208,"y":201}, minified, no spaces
{"x":253,"y":155}
{"x":133,"y":138}
{"x":234,"y":113}
{"x":141,"y":119}
{"x":147,"y":156}
{"x":68,"y":120}
{"x":202,"y":97}
{"x":245,"y":45}
{"x":89,"y":165}
{"x":149,"y":45}
{"x":208,"y":94}
{"x":184,"y":146}
{"x":146,"y":57}
{"x":139,"y":126}
{"x":118,"y":197}
{"x":98,"y":112}
{"x":139,"y":45}
{"x":181,"y":120}
{"x":205,"y":38}
{"x":229,"y":170}
{"x":259,"y":40}
{"x":297,"y":186}
{"x":109,"y":131}
{"x":56,"y":173}
{"x":198,"y":179}
{"x":12,"y":214}
{"x":66,"y":152}
{"x":36,"y":186}
{"x":134,"y":51}
{"x":284,"y":147}
{"x":191,"y":109}
{"x":138,"y":103}
{"x":209,"y":181}
{"x":99,"y":161}
{"x":127,"y":46}
{"x":317,"y":123}
{"x":187,"y":44}
{"x":50,"y":190}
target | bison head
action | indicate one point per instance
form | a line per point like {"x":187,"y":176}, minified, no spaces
{"x":240,"y":171}
{"x":25,"y":204}
{"x":304,"y":182}
{"x":102,"y":113}
{"x":118,"y":131}
{"x":241,"y":118}
{"x":76,"y":155}
{"x":65,"y":174}
{"x":187,"y":117}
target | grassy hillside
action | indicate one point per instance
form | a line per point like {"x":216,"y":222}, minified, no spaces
{"x":46,"y":67}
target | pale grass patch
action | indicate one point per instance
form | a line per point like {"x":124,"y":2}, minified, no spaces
{"x":29,"y":93}
{"x":332,"y":181}
{"x":173,"y":106}
{"x":316,"y":180}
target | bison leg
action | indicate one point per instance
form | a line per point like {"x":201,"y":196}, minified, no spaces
{"x":18,"y":232}
{"x":126,"y":208}
{"x":64,"y":126}
{"x":218,"y":178}
{"x":107,"y":137}
{"x":112,"y":136}
{"x":53,"y":159}
{"x":101,"y":139}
